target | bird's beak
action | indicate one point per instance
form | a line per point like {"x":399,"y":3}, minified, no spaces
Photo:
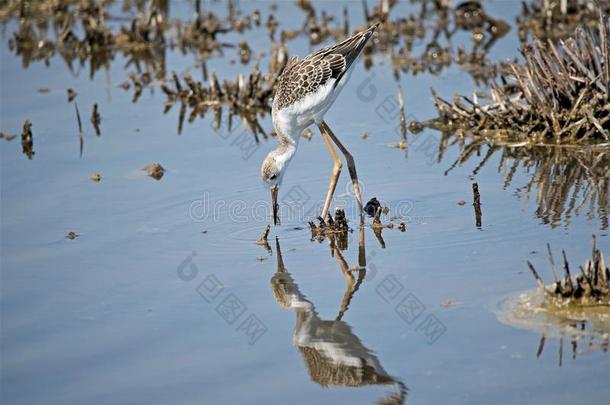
{"x":274,"y":190}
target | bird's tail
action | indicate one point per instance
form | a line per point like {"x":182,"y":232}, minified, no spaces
{"x":351,"y":48}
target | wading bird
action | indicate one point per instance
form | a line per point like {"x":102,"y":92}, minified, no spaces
{"x":306,"y":90}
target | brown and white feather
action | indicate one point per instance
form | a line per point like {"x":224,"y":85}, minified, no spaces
{"x":306,"y":76}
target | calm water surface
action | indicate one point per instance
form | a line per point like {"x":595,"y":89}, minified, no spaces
{"x":135,"y":310}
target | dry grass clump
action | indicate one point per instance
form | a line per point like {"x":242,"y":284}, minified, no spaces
{"x":245,"y":96}
{"x":559,"y":95}
{"x":591,"y":285}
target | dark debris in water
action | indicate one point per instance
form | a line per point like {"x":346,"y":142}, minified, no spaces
{"x":244,"y":52}
{"x":71,"y":95}
{"x":476,"y":203}
{"x":7,"y":137}
{"x":371,"y":206}
{"x":72,"y":235}
{"x":378,"y":226}
{"x":334,"y":229}
{"x":154,"y":170}
{"x":27,"y":139}
{"x":96,"y":119}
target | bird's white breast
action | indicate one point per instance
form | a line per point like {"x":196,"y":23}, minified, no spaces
{"x":310,"y":109}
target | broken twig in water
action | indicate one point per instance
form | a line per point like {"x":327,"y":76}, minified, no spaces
{"x":81,"y":135}
{"x":96,"y":119}
{"x":476,"y":197}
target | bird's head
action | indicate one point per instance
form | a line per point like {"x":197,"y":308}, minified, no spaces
{"x":272,"y":171}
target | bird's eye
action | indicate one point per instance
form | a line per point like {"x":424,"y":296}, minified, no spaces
{"x":273,"y":177}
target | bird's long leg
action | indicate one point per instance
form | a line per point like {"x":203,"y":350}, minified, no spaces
{"x":334,"y":178}
{"x":361,"y":249}
{"x":349,"y":277}
{"x":351,"y":165}
{"x":352,"y":283}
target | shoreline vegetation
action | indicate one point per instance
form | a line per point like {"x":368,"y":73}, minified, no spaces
{"x":559,"y":95}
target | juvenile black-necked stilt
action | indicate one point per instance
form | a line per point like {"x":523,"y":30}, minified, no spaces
{"x":306,"y":90}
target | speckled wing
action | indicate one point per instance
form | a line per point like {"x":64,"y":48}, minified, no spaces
{"x":304,"y":77}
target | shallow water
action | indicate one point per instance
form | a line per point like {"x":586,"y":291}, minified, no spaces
{"x":121,"y":314}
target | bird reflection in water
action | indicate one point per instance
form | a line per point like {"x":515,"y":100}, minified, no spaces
{"x":333,"y":354}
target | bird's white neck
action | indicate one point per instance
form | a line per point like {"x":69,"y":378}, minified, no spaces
{"x":288,"y":136}
{"x":284,"y":153}
{"x":287,"y":129}
{"x":288,"y":139}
